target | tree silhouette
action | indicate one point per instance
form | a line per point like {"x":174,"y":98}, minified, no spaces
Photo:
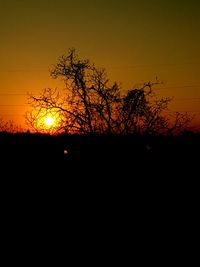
{"x":91,"y":104}
{"x":9,"y":126}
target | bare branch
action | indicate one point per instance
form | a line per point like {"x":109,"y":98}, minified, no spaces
{"x":91,"y":104}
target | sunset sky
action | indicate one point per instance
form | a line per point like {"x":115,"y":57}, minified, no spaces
{"x":135,"y":40}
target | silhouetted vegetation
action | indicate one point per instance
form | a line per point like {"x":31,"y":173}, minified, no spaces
{"x":102,"y":134}
{"x":9,"y":126}
{"x":91,"y":104}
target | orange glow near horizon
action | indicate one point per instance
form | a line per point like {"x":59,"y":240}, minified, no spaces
{"x":144,"y":39}
{"x":46,"y":121}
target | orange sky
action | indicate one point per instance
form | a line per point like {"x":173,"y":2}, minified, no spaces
{"x":135,"y":40}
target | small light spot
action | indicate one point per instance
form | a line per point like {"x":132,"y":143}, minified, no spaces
{"x":65,"y":152}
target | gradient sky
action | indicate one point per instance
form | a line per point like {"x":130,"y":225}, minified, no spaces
{"x":135,"y":40}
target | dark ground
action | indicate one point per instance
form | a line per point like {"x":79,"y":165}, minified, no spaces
{"x":107,"y":159}
{"x":98,"y":167}
{"x":141,"y":190}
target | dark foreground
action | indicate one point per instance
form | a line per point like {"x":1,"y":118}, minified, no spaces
{"x":100,"y":188}
{"x":103,"y":158}
{"x":147,"y":167}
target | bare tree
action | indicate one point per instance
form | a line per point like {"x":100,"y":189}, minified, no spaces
{"x":91,"y":104}
{"x":9,"y":126}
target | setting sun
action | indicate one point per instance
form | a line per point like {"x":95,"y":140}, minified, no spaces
{"x":49,"y":121}
{"x":46,"y":121}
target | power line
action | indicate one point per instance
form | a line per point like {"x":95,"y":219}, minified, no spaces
{"x":24,"y":70}
{"x":186,"y":98}
{"x":46,"y":68}
{"x":160,"y":88}
{"x":13,"y":105}
{"x":10,"y":94}
{"x":169,"y":87}
{"x":154,"y":65}
{"x":12,"y":115}
{"x":175,"y":98}
{"x":181,"y":86}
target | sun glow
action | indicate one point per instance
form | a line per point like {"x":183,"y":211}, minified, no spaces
{"x":49,"y":121}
